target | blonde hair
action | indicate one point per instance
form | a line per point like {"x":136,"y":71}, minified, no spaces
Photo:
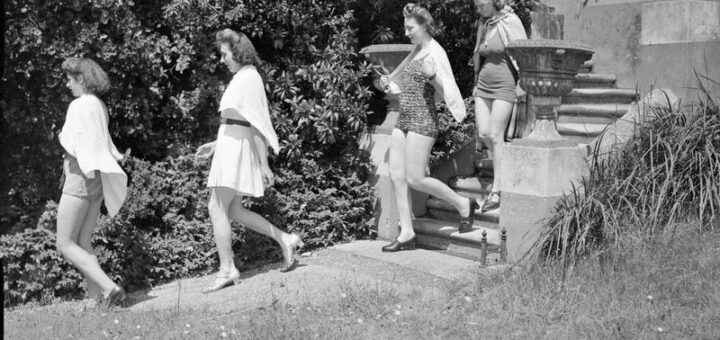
{"x":95,"y":80}
{"x":422,"y":16}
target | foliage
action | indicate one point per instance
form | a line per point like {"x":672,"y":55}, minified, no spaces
{"x":453,"y":135}
{"x":163,"y":232}
{"x":667,"y":173}
{"x":163,"y":66}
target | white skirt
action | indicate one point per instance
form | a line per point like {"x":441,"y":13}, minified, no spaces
{"x":235,"y":163}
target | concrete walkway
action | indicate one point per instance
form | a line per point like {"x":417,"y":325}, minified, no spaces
{"x":320,"y":278}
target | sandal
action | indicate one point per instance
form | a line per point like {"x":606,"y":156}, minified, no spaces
{"x":490,"y":204}
{"x":290,"y":260}
{"x":222,"y":281}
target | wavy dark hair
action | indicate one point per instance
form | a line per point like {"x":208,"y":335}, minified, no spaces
{"x":243,"y":51}
{"x":94,"y":78}
{"x":422,"y":16}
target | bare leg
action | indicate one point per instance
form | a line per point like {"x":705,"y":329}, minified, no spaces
{"x":482,"y":121}
{"x":257,"y":223}
{"x":220,"y":199}
{"x":72,"y":212}
{"x":396,"y":165}
{"x":501,"y":111}
{"x":84,"y":240}
{"x":416,"y":161}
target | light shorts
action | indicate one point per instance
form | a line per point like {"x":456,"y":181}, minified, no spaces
{"x":77,"y":184}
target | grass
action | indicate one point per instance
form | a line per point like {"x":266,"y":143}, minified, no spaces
{"x":598,"y":299}
{"x":667,"y":173}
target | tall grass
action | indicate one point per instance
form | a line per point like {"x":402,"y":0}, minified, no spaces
{"x":668,"y":173}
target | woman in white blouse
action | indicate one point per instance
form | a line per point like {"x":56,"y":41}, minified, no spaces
{"x":239,"y":165}
{"x":91,"y":174}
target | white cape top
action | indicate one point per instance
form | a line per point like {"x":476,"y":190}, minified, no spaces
{"x":450,"y":93}
{"x":86,"y":137}
{"x":507,"y":25}
{"x":246,"y":94}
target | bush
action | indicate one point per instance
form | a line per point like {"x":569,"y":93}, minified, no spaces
{"x":166,"y":83}
{"x":667,"y":173}
{"x":163,"y":232}
{"x":453,"y":135}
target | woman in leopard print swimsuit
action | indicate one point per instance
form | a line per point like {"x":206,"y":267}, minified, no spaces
{"x":424,"y":78}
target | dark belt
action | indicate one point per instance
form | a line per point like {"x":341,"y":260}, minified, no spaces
{"x":229,"y":121}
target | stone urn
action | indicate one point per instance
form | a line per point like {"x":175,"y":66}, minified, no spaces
{"x":547,"y":72}
{"x":385,"y":58}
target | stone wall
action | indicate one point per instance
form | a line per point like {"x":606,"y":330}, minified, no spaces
{"x":648,"y":42}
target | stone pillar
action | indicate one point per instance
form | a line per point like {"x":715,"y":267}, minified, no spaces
{"x":534,"y":175}
{"x":546,"y":24}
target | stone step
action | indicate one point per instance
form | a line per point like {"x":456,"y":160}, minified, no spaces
{"x":600,"y":96}
{"x":586,"y":131}
{"x":595,"y":80}
{"x":593,"y":110}
{"x":443,"y":235}
{"x":445,"y":211}
{"x":601,"y":120}
{"x":471,"y":184}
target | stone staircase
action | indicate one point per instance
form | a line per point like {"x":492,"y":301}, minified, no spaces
{"x":593,"y":104}
{"x":585,"y":112}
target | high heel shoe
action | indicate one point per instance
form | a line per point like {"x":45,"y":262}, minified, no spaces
{"x":489,"y":204}
{"x":222,"y":281}
{"x":466,"y":222}
{"x":115,"y":297}
{"x":290,"y":260}
{"x":398,"y":246}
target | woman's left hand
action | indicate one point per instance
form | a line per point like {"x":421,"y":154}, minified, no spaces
{"x":268,"y":176}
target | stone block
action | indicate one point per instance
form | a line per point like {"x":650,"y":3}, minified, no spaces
{"x":541,"y":170}
{"x":522,"y":216}
{"x":680,"y":21}
{"x":618,"y":133}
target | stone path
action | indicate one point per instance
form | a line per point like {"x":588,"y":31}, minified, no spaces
{"x":320,"y":278}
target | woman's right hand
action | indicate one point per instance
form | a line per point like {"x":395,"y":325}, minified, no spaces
{"x":206,"y":150}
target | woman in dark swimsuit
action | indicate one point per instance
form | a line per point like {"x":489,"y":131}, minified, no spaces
{"x":424,"y":72}
{"x":496,"y":80}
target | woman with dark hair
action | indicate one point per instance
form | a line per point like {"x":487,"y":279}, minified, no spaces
{"x":496,"y":78}
{"x":424,"y":78}
{"x":239,"y":165}
{"x":90,"y":174}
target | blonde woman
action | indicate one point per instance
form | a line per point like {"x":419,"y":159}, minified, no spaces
{"x":495,"y":80}
{"x":239,"y":165}
{"x":91,"y":174}
{"x":424,"y":78}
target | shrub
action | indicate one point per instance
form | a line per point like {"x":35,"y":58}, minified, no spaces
{"x":163,"y":232}
{"x":667,"y":173}
{"x":166,"y":84}
{"x":453,"y":135}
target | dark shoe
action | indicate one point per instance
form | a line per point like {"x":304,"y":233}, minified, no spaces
{"x":115,"y":298}
{"x":466,"y":222}
{"x":490,"y":204}
{"x":398,"y":246}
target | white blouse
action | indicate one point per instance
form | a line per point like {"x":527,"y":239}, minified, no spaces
{"x":86,"y":137}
